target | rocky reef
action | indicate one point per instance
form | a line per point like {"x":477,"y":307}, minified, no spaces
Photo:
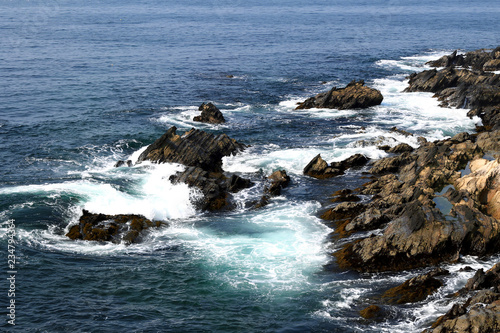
{"x":354,"y":96}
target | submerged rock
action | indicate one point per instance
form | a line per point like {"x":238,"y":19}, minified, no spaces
{"x":117,"y":229}
{"x":210,"y":114}
{"x":354,"y":96}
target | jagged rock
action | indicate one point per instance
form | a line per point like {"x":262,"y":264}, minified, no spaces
{"x":214,"y":186}
{"x":318,"y":168}
{"x":401,"y":148}
{"x":492,"y":65}
{"x":465,"y":88}
{"x":112,"y":228}
{"x":447,"y":60}
{"x":400,"y":131}
{"x":210,"y":114}
{"x":277,"y":181}
{"x":355,"y":95}
{"x":415,"y":289}
{"x":195,"y":148}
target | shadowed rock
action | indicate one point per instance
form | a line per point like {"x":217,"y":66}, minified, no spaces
{"x":318,"y":168}
{"x":194,"y":148}
{"x":117,"y":229}
{"x":210,"y":114}
{"x":354,"y":96}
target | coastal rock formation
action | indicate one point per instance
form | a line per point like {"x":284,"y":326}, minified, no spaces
{"x":277,"y":181}
{"x":210,"y":114}
{"x":117,"y":229}
{"x":480,"y":312}
{"x":354,"y":96}
{"x":469,"y":87}
{"x":202,"y":153}
{"x":215,"y":187}
{"x":319,"y":168}
{"x":415,"y":289}
{"x":194,"y":148}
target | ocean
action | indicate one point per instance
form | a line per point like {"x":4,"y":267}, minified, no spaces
{"x":86,"y":83}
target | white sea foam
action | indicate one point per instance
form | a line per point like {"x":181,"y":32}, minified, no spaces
{"x":276,"y":249}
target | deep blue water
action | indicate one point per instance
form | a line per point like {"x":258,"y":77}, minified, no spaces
{"x":85,"y":83}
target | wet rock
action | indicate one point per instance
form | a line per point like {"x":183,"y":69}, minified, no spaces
{"x":401,"y":148}
{"x":117,"y":229}
{"x":447,"y":60}
{"x":415,"y":289}
{"x":354,"y":96}
{"x":371,"y":312}
{"x":319,"y":168}
{"x":122,"y":163}
{"x":400,"y":131}
{"x":465,"y":88}
{"x":215,"y":187}
{"x":210,"y":114}
{"x":461,"y":137}
{"x":492,"y":65}
{"x":194,"y":148}
{"x":278,"y":180}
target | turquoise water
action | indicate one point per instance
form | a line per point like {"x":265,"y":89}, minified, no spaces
{"x":87,"y":83}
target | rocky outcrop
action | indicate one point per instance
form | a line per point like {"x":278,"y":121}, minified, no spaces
{"x":422,"y":225}
{"x":117,"y":229}
{"x":210,"y":114}
{"x":354,"y":96}
{"x":277,"y":181}
{"x":215,"y":187}
{"x":194,"y":148}
{"x":477,"y":60}
{"x":415,"y":289}
{"x":469,"y":87}
{"x":480,"y":312}
{"x":319,"y":168}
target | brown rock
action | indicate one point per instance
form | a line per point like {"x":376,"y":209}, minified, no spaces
{"x":355,"y":95}
{"x":210,"y":114}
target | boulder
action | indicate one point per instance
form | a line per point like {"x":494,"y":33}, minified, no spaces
{"x":278,"y":180}
{"x":415,"y":289}
{"x":210,"y":114}
{"x":117,"y":229}
{"x":354,"y":96}
{"x":215,"y":187}
{"x":401,"y":148}
{"x":319,"y":168}
{"x":194,"y":148}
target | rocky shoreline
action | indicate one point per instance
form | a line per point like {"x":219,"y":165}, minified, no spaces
{"x":428,"y":206}
{"x":436,"y":203}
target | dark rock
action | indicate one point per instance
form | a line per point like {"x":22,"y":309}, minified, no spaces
{"x":400,"y":131}
{"x":464,"y":88}
{"x":415,"y":289}
{"x":214,"y":186}
{"x":117,"y":229}
{"x":401,"y":148}
{"x":447,"y":60}
{"x":278,"y":180}
{"x":210,"y":114}
{"x":195,"y":148}
{"x":122,"y":163}
{"x":461,"y":137}
{"x":371,"y":312}
{"x":318,"y":168}
{"x":355,"y":95}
